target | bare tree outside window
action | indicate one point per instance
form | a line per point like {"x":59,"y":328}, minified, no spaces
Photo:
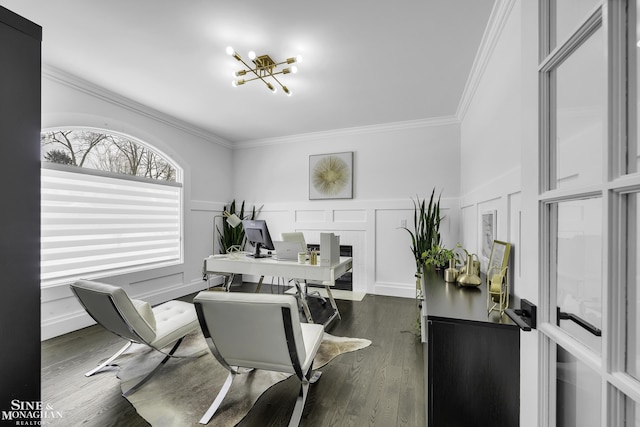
{"x":107,"y":152}
{"x":77,"y":144}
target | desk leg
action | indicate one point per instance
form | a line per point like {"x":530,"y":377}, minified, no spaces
{"x":229,"y":281}
{"x":332,"y":301}
{"x":303,"y":301}
{"x":257,"y":291}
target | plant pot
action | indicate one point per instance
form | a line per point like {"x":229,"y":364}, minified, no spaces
{"x":427,"y":269}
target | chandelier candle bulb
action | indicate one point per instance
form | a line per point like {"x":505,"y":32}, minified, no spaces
{"x":231,"y":52}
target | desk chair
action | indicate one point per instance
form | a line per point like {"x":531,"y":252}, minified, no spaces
{"x":136,"y":321}
{"x":266,"y":333}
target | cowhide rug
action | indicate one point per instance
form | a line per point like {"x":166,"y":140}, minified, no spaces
{"x":183,"y":389}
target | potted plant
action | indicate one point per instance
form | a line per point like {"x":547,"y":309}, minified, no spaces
{"x":230,"y":236}
{"x":425,"y":234}
{"x":439,"y":258}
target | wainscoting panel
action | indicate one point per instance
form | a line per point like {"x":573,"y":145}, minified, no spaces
{"x":310,"y":215}
{"x":350,"y":215}
{"x":394,"y":262}
{"x":502,"y":196}
{"x":395,"y":265}
{"x":515,"y":233}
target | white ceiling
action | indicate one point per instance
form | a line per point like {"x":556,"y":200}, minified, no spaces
{"x":365,"y":62}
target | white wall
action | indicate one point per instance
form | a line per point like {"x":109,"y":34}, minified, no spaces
{"x":392,"y":164}
{"x":68,"y":101}
{"x":499,"y":169}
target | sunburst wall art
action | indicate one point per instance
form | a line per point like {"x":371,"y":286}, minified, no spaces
{"x":331,"y":176}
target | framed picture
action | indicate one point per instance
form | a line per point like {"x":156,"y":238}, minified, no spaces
{"x":331,"y":176}
{"x":499,"y":258}
{"x":497,"y":277}
{"x":488,"y":230}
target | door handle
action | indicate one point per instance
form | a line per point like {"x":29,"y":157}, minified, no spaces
{"x":580,"y":322}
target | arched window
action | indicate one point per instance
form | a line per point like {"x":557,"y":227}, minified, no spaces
{"x":110,"y":204}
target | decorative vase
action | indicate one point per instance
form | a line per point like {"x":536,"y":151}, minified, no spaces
{"x":470,"y":278}
{"x":475,"y":268}
{"x":451,"y":273}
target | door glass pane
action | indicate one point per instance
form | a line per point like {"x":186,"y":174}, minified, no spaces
{"x":632,"y":413}
{"x":633,"y":279}
{"x":632,"y":416}
{"x":581,"y":84}
{"x":634,"y":52}
{"x":578,"y":392}
{"x":569,"y":15}
{"x":579,"y":269}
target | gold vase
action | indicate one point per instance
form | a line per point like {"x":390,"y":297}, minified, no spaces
{"x":451,"y":273}
{"x":469,"y":278}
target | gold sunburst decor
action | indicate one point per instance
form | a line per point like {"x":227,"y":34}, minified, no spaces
{"x":331,"y":176}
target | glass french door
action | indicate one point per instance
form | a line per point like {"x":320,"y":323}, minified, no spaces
{"x":590,"y":225}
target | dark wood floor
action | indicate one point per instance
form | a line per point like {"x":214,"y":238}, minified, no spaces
{"x":381,"y":385}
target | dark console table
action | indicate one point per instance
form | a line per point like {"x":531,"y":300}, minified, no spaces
{"x":472,"y":360}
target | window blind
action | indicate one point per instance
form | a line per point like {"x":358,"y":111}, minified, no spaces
{"x":96,"y":223}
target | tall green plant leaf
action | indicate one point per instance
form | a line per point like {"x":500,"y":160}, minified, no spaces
{"x":426,"y":228}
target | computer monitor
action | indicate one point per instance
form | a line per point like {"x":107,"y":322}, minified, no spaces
{"x":258,"y":235}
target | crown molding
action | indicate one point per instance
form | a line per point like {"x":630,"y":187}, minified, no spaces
{"x":77,"y":83}
{"x":497,"y":21}
{"x":361,"y":130}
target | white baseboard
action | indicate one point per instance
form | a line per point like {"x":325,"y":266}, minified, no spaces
{"x":394,"y":290}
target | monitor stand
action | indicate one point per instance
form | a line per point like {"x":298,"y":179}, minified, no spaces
{"x":256,"y":253}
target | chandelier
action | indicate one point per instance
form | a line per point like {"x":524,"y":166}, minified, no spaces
{"x":264,"y":68}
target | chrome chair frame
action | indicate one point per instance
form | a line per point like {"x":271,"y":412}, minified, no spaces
{"x":134,"y":337}
{"x":303,"y":375}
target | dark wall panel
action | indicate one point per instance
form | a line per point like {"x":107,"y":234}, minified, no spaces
{"x":20,"y":110}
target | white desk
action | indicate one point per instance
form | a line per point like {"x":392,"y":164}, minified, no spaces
{"x":229,"y":265}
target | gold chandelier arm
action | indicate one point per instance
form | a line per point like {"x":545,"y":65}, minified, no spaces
{"x":254,"y":78}
{"x":282,"y":63}
{"x":255,"y":71}
{"x":278,"y":81}
{"x":284,"y":88}
{"x":258,"y":76}
{"x":265,"y":82}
